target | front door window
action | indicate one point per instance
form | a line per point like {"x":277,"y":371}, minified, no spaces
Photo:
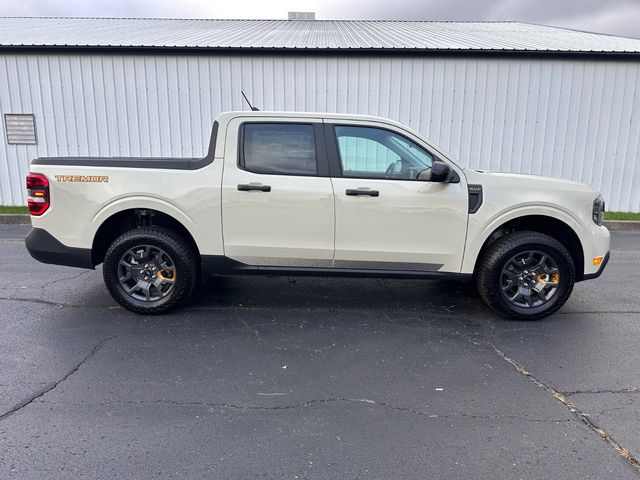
{"x":376,"y":153}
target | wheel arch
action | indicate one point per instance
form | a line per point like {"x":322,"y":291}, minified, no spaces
{"x":546,"y":225}
{"x":128,"y":219}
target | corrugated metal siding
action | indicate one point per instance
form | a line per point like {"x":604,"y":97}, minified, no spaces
{"x":304,"y":34}
{"x":577,"y":119}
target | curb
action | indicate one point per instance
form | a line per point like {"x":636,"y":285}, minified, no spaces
{"x":14,"y":219}
{"x":614,"y":225}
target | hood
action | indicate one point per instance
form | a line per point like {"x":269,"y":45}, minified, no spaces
{"x":526,"y":180}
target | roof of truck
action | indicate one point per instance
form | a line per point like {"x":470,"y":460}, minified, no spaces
{"x":305,"y":35}
{"x":225,"y":117}
{"x":311,"y":115}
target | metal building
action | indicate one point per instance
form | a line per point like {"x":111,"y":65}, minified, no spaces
{"x":497,"y":95}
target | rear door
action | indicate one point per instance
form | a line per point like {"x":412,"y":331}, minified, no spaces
{"x":277,"y":198}
{"x":389,"y":215}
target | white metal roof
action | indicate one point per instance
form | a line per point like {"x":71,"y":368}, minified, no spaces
{"x":304,"y":34}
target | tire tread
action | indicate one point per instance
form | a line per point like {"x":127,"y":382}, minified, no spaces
{"x":495,"y":254}
{"x":190,"y":271}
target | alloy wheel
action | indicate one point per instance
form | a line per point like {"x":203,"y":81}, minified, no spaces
{"x":530,"y":279}
{"x":146,"y":273}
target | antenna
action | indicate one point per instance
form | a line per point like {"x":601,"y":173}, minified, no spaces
{"x":253,"y":109}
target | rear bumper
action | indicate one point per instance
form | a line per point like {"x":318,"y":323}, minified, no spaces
{"x":45,"y":248}
{"x":591,"y":276}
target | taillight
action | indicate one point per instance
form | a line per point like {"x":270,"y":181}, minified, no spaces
{"x":37,"y":193}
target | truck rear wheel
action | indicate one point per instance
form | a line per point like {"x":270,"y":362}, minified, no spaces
{"x":526,"y":275}
{"x":150,"y":270}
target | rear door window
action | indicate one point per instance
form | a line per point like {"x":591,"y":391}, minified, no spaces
{"x":279,"y":149}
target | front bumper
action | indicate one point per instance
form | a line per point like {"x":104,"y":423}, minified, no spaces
{"x":45,"y":248}
{"x":591,"y":276}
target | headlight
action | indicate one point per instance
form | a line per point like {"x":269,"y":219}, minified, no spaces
{"x":598,"y":210}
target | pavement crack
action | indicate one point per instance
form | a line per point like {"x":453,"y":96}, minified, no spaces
{"x":72,"y":277}
{"x":358,"y":401}
{"x":581,"y":415}
{"x":52,"y":385}
{"x":40,"y":301}
{"x":621,"y":390}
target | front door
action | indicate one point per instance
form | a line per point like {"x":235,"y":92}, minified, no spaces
{"x":389,"y":215}
{"x":277,"y":198}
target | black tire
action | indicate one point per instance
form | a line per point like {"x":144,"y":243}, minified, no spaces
{"x":184,"y":264}
{"x":490,"y":276}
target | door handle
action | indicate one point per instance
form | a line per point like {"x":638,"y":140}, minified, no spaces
{"x":248,"y":187}
{"x":358,"y":191}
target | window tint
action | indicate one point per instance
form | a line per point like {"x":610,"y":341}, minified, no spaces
{"x":367,"y":152}
{"x":279,"y":148}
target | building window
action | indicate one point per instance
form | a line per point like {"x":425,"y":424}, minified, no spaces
{"x":20,"y":128}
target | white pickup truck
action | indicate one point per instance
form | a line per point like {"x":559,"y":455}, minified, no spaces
{"x":315,"y":194}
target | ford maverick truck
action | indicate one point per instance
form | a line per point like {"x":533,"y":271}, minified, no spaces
{"x":315,"y":194}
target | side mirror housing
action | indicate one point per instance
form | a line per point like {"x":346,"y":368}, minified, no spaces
{"x":441,"y":172}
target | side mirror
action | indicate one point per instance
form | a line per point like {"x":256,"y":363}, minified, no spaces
{"x":441,"y":172}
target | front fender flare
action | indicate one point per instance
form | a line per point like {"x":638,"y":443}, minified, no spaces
{"x":478,"y":232}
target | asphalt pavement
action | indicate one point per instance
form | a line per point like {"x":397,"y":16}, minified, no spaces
{"x":285,"y":378}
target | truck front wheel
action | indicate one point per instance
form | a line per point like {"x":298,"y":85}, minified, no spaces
{"x":150,"y":270}
{"x":526,"y":275}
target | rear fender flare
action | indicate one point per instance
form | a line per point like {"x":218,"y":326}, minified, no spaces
{"x":143,"y":202}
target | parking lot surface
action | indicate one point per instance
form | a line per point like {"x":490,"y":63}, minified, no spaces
{"x":315,"y":378}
